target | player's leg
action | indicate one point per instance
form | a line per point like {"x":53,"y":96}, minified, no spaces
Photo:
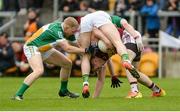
{"x":35,"y":61}
{"x":134,"y":93}
{"x":113,"y":35}
{"x":100,"y":82}
{"x":103,"y":23}
{"x":59,"y":59}
{"x":144,"y":79}
{"x":84,"y":41}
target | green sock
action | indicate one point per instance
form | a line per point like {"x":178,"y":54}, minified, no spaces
{"x":22,"y":89}
{"x":63,"y":87}
{"x":85,"y":77}
{"x":125,"y":57}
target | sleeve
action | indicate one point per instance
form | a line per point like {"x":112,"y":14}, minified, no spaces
{"x":116,"y":20}
{"x":10,"y":52}
{"x":59,"y":36}
{"x":154,"y":11}
{"x":144,"y":10}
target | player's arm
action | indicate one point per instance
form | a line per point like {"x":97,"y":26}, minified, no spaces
{"x":115,"y":82}
{"x":98,"y":34}
{"x":66,"y":47}
{"x":129,"y":28}
{"x":110,"y":66}
{"x":133,"y":33}
{"x":100,"y":82}
{"x":72,"y":49}
{"x":74,"y":43}
{"x":69,"y":48}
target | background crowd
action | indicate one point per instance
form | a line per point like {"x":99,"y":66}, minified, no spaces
{"x":12,"y":59}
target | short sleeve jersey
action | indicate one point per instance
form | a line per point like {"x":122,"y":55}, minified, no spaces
{"x":116,"y":20}
{"x":49,"y":33}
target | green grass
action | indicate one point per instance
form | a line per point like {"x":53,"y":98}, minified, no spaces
{"x":43,"y":96}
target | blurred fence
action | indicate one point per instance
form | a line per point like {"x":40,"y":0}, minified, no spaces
{"x":170,"y":66}
{"x":11,"y":16}
{"x":133,"y":16}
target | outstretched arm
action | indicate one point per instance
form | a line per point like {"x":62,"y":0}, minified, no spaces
{"x":69,"y":48}
{"x":111,"y":68}
{"x":136,"y":35}
{"x":64,"y":45}
{"x":115,"y":82}
{"x":129,"y":28}
{"x":100,"y":82}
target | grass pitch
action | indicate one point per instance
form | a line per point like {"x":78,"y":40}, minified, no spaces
{"x":43,"y":96}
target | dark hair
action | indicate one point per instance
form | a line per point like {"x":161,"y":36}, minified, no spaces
{"x":154,"y":1}
{"x":5,"y":34}
{"x":35,"y":11}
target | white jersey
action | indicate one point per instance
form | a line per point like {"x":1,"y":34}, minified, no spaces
{"x":95,"y":19}
{"x":127,"y":38}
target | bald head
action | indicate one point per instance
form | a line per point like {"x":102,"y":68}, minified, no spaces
{"x":71,"y":22}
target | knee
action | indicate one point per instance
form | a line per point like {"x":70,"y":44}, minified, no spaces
{"x":39,"y":71}
{"x":68,"y":64}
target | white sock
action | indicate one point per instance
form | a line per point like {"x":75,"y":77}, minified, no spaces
{"x":134,"y":87}
{"x":85,"y":83}
{"x":155,"y":88}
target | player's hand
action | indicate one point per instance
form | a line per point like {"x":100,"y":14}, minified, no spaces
{"x":115,"y":82}
{"x":139,"y":43}
{"x":90,"y":49}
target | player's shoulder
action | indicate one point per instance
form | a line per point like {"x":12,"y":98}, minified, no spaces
{"x":115,"y":17}
{"x":55,"y":23}
{"x":55,"y":26}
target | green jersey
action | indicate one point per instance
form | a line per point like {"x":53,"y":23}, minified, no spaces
{"x":116,"y":20}
{"x":50,"y":33}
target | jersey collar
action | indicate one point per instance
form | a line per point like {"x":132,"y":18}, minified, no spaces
{"x":62,"y":26}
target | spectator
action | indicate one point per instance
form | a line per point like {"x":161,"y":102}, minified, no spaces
{"x":112,"y":5}
{"x":120,"y":7}
{"x":23,"y":7}
{"x":20,"y":58}
{"x":32,"y":24}
{"x":135,"y":5}
{"x":36,"y":4}
{"x":6,"y":53}
{"x":10,"y":5}
{"x":69,"y":5}
{"x":161,"y":4}
{"x":1,"y":8}
{"x":99,"y":4}
{"x":83,"y":5}
{"x":173,"y":24}
{"x":150,"y":10}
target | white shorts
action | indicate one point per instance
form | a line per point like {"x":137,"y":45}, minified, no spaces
{"x":95,"y":19}
{"x":30,"y":51}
